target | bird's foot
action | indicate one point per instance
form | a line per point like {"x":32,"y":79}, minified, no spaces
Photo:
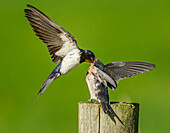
{"x":90,"y":100}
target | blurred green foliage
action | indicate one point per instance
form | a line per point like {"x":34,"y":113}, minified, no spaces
{"x":124,"y":30}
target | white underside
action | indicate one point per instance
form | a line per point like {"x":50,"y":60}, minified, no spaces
{"x":91,"y":85}
{"x":70,"y":61}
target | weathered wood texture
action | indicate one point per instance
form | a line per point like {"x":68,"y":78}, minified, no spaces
{"x":92,"y":119}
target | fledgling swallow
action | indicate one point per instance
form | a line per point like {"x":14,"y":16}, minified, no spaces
{"x":97,"y":81}
{"x":61,"y":44}
{"x":100,"y":77}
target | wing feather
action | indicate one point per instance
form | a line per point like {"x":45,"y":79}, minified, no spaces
{"x":50,"y":33}
{"x":121,"y":70}
{"x":104,"y":76}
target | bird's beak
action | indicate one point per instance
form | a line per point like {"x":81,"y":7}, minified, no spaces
{"x":94,"y":62}
{"x":86,"y":60}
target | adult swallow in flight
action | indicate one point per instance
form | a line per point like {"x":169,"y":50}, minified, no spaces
{"x":100,"y":77}
{"x":61,"y":44}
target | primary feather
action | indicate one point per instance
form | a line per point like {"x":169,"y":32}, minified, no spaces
{"x":121,"y":70}
{"x":59,"y":41}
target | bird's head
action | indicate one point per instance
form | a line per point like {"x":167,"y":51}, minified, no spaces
{"x":87,"y":56}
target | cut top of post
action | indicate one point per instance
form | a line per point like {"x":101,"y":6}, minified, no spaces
{"x":92,"y":119}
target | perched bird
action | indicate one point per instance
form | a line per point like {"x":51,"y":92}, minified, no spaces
{"x":97,"y":82}
{"x":100,"y":77}
{"x":61,"y":44}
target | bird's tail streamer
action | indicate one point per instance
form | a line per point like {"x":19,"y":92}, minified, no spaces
{"x":43,"y":88}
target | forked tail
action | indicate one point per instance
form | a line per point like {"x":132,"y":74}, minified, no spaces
{"x":44,"y":87}
{"x":55,"y":74}
{"x":106,"y":108}
{"x":48,"y":82}
{"x":109,"y":111}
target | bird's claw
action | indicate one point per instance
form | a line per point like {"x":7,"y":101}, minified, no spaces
{"x":90,"y":100}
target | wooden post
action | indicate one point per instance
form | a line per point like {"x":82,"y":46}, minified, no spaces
{"x":92,"y":119}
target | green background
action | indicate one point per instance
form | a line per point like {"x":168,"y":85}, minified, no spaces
{"x":115,"y":30}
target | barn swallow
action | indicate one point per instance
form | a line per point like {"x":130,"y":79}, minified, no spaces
{"x":61,"y":44}
{"x":97,"y":83}
{"x":100,"y":77}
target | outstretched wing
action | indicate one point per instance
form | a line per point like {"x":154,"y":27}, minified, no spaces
{"x":58,"y":40}
{"x":105,"y":76}
{"x":121,"y":70}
